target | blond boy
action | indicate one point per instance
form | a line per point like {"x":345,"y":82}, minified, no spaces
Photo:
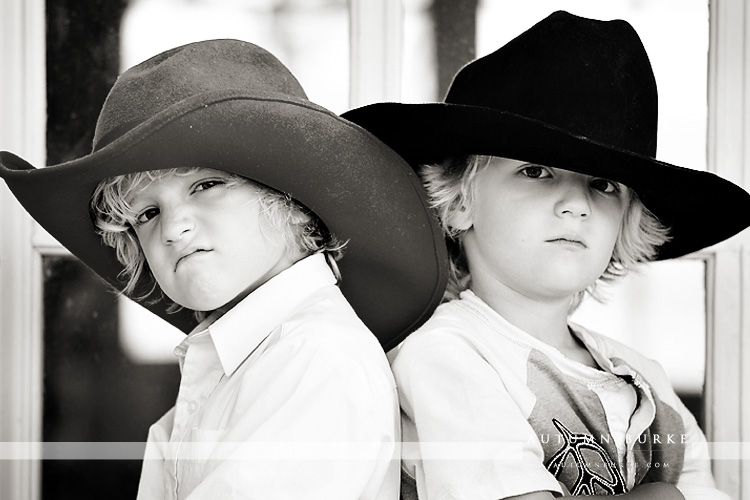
{"x":541,"y":166}
{"x":221,"y":197}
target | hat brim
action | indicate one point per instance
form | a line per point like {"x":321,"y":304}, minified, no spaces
{"x":393,"y":269}
{"x":700,"y":208}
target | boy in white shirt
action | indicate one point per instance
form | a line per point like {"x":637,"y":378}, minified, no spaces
{"x":216,"y":188}
{"x":540,"y":164}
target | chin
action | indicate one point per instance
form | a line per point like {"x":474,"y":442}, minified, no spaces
{"x":570,"y":277}
{"x":203,"y":304}
{"x":563,"y":290}
{"x":211,"y":294}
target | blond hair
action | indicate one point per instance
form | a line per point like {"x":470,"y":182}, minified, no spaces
{"x":299,"y":228}
{"x":450,"y":188}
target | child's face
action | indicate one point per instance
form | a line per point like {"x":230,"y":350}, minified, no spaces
{"x":542,"y":232}
{"x":202,"y":238}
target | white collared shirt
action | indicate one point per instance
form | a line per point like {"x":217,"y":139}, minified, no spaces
{"x":287,"y":395}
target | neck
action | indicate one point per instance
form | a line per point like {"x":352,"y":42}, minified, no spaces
{"x":287,"y":261}
{"x":545,"y":319}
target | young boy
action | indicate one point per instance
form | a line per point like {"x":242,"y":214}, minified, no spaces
{"x":215,"y":187}
{"x":541,"y":166}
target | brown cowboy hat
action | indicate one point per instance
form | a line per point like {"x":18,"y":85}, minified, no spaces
{"x":232,"y":106}
{"x":576,"y":94}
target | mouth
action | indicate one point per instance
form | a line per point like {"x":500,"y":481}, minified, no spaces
{"x":569,"y":241}
{"x":188,"y":255}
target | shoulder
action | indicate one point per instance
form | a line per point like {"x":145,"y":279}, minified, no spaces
{"x":449,"y":328}
{"x":327,"y":328}
{"x":326,"y":318}
{"x":461,"y":326}
{"x":460,"y":341}
{"x":467,"y":317}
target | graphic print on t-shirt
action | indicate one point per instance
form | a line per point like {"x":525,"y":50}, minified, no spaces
{"x":570,"y":424}
{"x":597,"y":473}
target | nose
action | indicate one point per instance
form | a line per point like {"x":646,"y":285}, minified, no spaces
{"x":176,"y":223}
{"x":574,"y":199}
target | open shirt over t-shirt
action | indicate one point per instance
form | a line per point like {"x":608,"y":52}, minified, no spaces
{"x":489,"y":411}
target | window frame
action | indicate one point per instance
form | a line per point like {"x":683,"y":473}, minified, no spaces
{"x":22,"y":96}
{"x":728,"y":278}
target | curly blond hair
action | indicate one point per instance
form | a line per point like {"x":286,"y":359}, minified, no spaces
{"x":299,"y":228}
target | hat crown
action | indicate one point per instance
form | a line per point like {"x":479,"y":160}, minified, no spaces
{"x":188,"y":71}
{"x":588,"y":77}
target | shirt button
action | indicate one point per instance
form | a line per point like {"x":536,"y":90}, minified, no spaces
{"x":192,"y":407}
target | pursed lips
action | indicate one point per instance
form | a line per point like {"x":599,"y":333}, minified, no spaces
{"x":568,"y":240}
{"x":187,"y":255}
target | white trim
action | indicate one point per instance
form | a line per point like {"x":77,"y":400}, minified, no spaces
{"x":23,"y":99}
{"x":376,"y":45}
{"x":728,"y":280}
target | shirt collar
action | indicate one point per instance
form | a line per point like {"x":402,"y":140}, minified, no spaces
{"x":238,"y":332}
{"x":595,"y":348}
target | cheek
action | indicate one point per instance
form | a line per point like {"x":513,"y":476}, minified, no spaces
{"x":149,"y":251}
{"x":609,"y":232}
{"x":257,"y":244}
{"x":616,"y":220}
{"x":501,"y":226}
{"x":258,"y":233}
{"x":265,"y":233}
{"x":155,"y":258}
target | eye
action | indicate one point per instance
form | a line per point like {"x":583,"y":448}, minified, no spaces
{"x":535,"y":171}
{"x":207,"y":184}
{"x":146,"y":215}
{"x":605,"y":186}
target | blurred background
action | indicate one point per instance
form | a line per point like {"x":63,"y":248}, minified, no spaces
{"x":108,"y":369}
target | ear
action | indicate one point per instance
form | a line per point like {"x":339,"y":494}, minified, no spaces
{"x":461,"y":219}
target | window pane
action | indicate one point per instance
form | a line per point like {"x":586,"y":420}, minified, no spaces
{"x":93,"y":393}
{"x":311,"y":37}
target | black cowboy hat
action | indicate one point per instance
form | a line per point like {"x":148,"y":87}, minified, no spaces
{"x":576,"y":94}
{"x":232,"y":106}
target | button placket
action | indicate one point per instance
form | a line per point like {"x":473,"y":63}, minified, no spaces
{"x":193,"y":407}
